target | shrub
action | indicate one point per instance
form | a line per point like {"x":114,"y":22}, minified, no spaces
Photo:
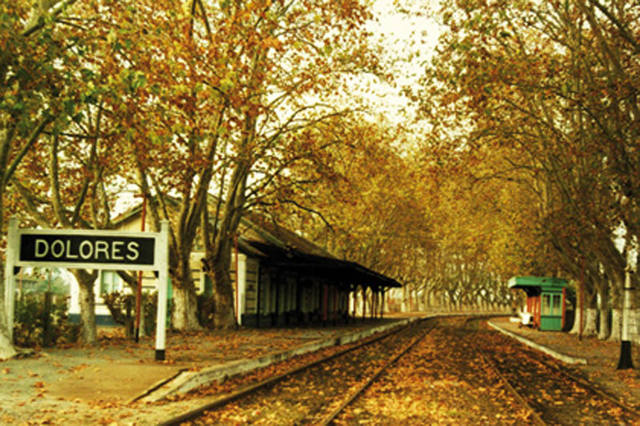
{"x":41,"y":320}
{"x":122,"y":307}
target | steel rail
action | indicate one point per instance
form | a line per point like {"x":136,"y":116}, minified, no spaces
{"x":576,"y":379}
{"x":535,"y":415}
{"x":593,"y":388}
{"x":347,"y":401}
{"x":249,"y":389}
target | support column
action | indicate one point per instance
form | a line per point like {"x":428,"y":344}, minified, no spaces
{"x":336,"y":303}
{"x":373,"y":302}
{"x":325,"y":300}
{"x":564,"y":306}
{"x":355,"y":301}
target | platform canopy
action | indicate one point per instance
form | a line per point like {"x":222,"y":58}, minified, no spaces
{"x":343,"y":271}
{"x":283,"y":248}
{"x":533,"y":286}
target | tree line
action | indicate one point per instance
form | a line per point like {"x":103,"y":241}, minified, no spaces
{"x":547,"y":95}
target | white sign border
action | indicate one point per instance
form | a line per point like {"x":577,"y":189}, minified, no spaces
{"x":131,"y":266}
{"x":161,"y":264}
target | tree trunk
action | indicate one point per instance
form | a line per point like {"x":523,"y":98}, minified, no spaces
{"x":603,"y":326}
{"x":185,"y":306}
{"x":577,"y":312}
{"x":616,"y":325}
{"x":6,"y":347}
{"x":223,"y":295}
{"x":591,"y":322}
{"x":634,"y":326}
{"x":425,"y":299}
{"x":604,"y":308}
{"x":405,"y":299}
{"x":218,"y":251}
{"x":616,"y":313}
{"x":87,"y":298}
{"x":185,"y":300}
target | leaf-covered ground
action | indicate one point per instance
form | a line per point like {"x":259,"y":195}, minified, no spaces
{"x":310,"y":395}
{"x":439,"y":382}
{"x":602,"y":359}
{"x":454,"y":376}
{"x":77,"y":385}
{"x":80,"y":385}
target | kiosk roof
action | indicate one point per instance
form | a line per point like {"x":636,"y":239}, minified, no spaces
{"x":542,"y":282}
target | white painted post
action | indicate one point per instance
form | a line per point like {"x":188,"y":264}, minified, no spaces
{"x":241,"y":264}
{"x":625,"y":361}
{"x":163,"y":278}
{"x":9,"y":276}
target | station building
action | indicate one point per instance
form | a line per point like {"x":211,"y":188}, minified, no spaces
{"x":279,"y":279}
{"x":284,"y":279}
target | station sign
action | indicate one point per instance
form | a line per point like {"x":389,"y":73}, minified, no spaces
{"x":90,"y":249}
{"x":87,"y":249}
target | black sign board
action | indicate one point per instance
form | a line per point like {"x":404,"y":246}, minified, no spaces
{"x":87,"y":249}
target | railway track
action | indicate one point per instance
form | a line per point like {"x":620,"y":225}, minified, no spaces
{"x":439,"y":382}
{"x":436,"y":371}
{"x":345,"y":375}
{"x":551,"y":393}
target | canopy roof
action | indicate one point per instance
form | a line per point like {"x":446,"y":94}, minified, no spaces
{"x":280,"y":247}
{"x":537,"y":284}
{"x":342,"y":271}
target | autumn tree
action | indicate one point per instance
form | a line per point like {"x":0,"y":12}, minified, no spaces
{"x":297,"y":53}
{"x":543,"y":85}
{"x":368,"y":204}
{"x":223,"y":93}
{"x":69,"y":181}
{"x":34,"y":48}
{"x":69,"y":178}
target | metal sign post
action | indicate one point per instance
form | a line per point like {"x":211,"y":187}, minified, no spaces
{"x":90,"y":249}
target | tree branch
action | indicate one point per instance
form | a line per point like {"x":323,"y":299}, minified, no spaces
{"x":30,"y":142}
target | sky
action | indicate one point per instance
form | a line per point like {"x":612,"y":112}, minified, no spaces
{"x":408,"y":31}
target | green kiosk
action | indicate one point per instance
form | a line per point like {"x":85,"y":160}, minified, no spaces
{"x":546,"y":301}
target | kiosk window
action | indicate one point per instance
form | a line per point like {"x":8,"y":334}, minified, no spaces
{"x":557,"y":304}
{"x":546,"y":304}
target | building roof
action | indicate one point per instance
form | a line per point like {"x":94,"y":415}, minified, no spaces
{"x":339,"y":271}
{"x":282,"y":247}
{"x":278,"y":246}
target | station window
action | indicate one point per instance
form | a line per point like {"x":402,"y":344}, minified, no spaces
{"x":109,"y":282}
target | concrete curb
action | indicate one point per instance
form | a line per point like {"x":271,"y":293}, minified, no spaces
{"x":188,"y":380}
{"x":557,"y":355}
